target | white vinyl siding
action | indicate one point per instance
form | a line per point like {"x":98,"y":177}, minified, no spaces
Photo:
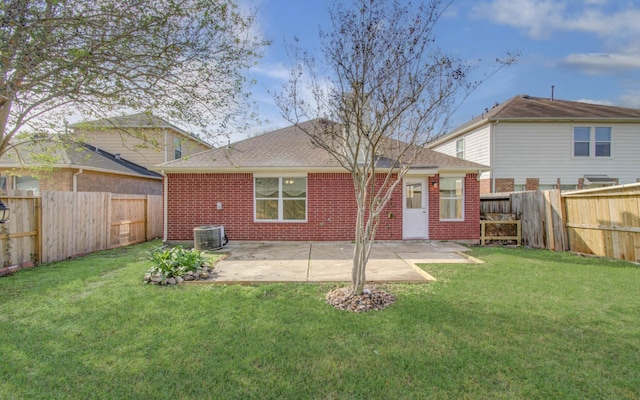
{"x":545,"y":151}
{"x":460,"y":148}
{"x":476,"y":147}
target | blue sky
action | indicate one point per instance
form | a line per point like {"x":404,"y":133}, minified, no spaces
{"x":588,"y":49}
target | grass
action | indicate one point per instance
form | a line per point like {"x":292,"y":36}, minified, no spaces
{"x":526,"y":324}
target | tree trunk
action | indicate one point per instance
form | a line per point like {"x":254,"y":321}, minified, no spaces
{"x":358,"y":278}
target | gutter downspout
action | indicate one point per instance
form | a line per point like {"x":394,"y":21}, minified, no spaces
{"x":165,"y":207}
{"x":75,"y":180}
{"x":492,"y":154}
{"x":166,"y":158}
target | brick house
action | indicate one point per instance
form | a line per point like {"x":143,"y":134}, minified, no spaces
{"x":279,"y":186}
{"x":534,"y":143}
{"x":82,"y":168}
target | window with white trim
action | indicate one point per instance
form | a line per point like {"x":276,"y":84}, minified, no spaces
{"x":177,"y":148}
{"x":280,"y":198}
{"x":460,"y":148}
{"x":451,"y":198}
{"x":592,"y":141}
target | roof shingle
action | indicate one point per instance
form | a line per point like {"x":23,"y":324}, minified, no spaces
{"x":290,"y":147}
{"x":529,"y":108}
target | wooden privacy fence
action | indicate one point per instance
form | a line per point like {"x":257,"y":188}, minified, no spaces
{"x":540,"y":215}
{"x":59,"y":225}
{"x":605,"y":222}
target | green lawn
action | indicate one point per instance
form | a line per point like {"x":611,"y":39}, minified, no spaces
{"x":526,"y":324}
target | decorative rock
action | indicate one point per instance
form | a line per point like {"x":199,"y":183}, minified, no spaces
{"x":345,"y":299}
{"x":205,"y":273}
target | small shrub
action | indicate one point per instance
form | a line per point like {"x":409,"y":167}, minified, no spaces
{"x":176,"y":261}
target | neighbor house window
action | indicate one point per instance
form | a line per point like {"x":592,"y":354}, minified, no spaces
{"x":177,"y":148}
{"x":451,"y":198}
{"x":588,"y":141}
{"x":603,"y":142}
{"x":460,"y":148}
{"x":281,"y":198}
{"x":27,"y":183}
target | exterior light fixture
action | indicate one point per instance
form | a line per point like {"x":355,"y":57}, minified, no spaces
{"x":4,"y":213}
{"x":435,"y":184}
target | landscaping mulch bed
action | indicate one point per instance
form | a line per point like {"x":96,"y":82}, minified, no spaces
{"x":372,"y":298}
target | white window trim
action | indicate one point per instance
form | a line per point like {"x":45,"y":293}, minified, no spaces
{"x":463,"y":149}
{"x":462,"y":198}
{"x":280,"y":200}
{"x":592,"y":143}
{"x":177,"y":147}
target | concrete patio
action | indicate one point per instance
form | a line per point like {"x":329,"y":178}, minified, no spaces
{"x":262,"y":262}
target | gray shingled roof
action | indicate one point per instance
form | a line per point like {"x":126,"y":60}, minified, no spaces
{"x":81,"y":156}
{"x":289,"y":147}
{"x":529,"y":108}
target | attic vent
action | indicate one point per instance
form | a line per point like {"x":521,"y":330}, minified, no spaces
{"x":208,"y":237}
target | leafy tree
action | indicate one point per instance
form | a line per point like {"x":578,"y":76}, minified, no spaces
{"x":386,"y":90}
{"x":181,"y":59}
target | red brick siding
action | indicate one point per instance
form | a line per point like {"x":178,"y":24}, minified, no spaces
{"x":89,"y":181}
{"x":485,"y":186}
{"x":331,"y":209}
{"x":504,"y":185}
{"x":532,"y":184}
{"x":469,"y":229}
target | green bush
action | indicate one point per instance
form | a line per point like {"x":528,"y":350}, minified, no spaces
{"x":176,"y":261}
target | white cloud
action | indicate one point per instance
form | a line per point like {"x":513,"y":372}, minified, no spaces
{"x":595,"y":101}
{"x":274,"y":71}
{"x":534,"y":16}
{"x":541,"y":18}
{"x":602,"y":63}
{"x":630,"y":99}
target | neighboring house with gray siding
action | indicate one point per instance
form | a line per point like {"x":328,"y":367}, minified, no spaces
{"x":534,"y":143}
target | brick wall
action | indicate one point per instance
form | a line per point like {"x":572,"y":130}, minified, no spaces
{"x":97,"y":182}
{"x":469,"y":228}
{"x":58,"y":180}
{"x":532,"y":184}
{"x":61,"y":180}
{"x":485,"y":186}
{"x":331,"y":210}
{"x":504,"y":185}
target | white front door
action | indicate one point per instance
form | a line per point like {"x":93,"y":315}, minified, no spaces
{"x":414,"y":217}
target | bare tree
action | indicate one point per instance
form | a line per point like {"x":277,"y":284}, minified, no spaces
{"x":387,"y":90}
{"x":180,"y":59}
